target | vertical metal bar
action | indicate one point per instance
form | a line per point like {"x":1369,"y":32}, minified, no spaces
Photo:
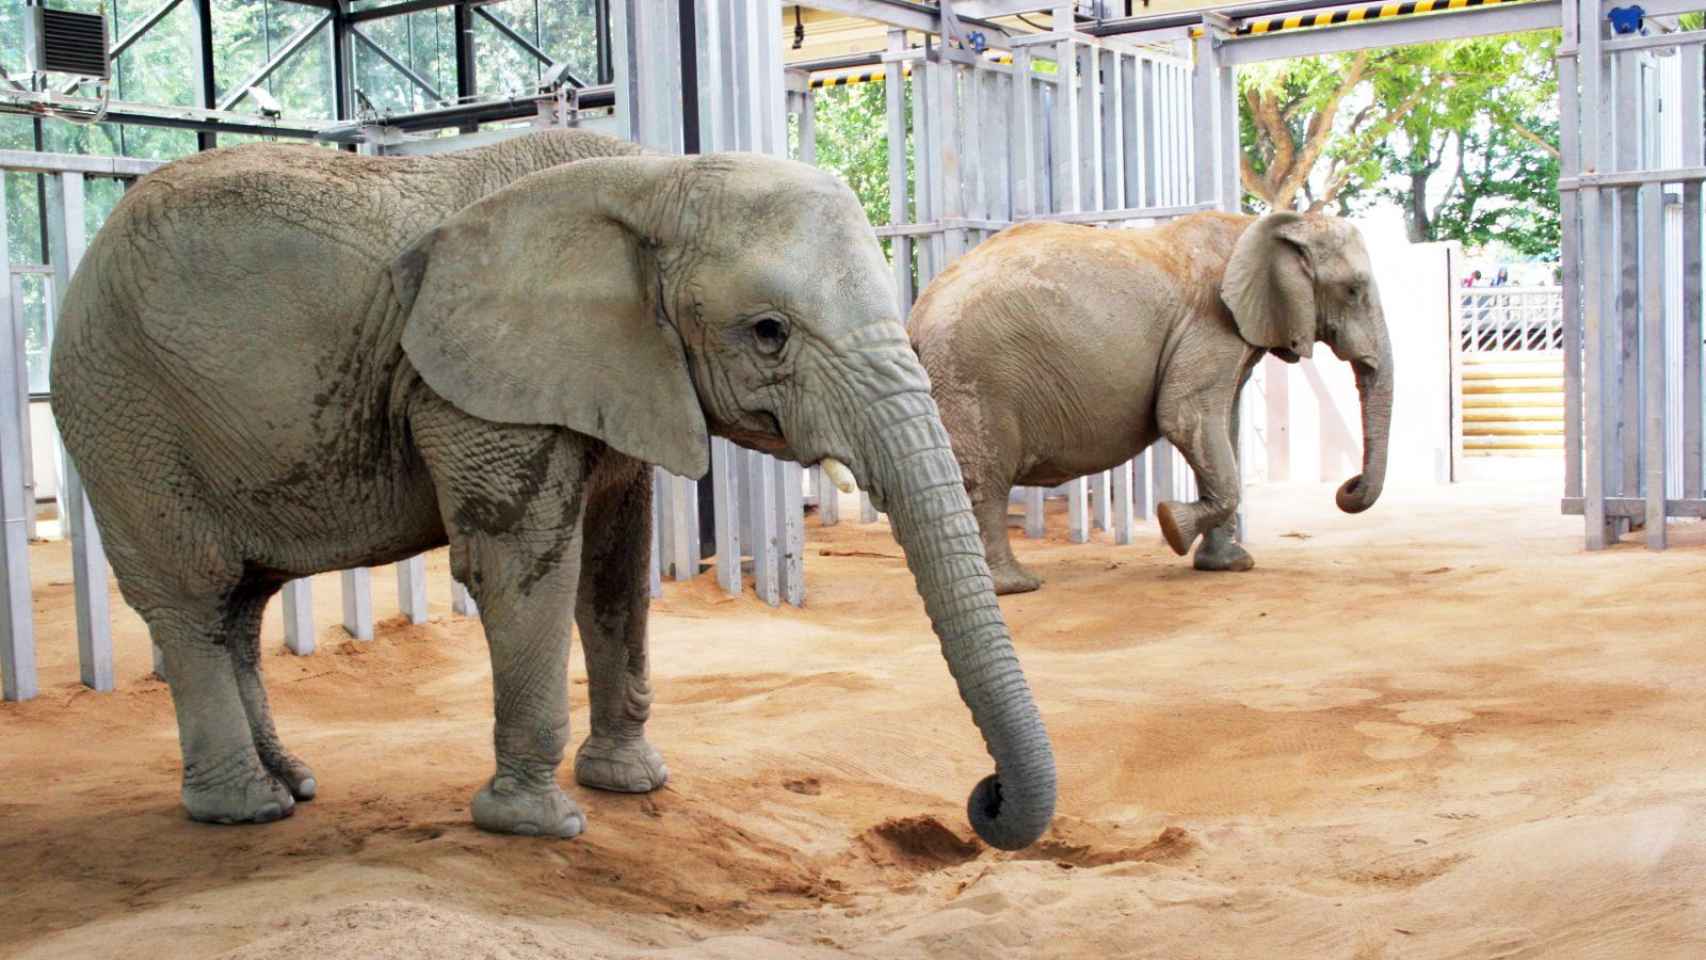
{"x":1089,"y":127}
{"x":411,"y":589}
{"x":297,"y":605}
{"x":604,"y":68}
{"x":17,"y":627}
{"x":1035,"y":525}
{"x":1628,"y":350}
{"x":343,"y":62}
{"x":894,"y":94}
{"x":790,"y":533}
{"x":461,"y":601}
{"x":1122,"y":520}
{"x":1592,"y":66}
{"x":66,"y":242}
{"x":1569,"y":106}
{"x":1101,"y":505}
{"x":924,"y":204}
{"x":358,"y":602}
{"x":1693,"y":114}
{"x":202,"y":75}
{"x":683,"y":559}
{"x":948,"y":180}
{"x":1068,"y":192}
{"x":1023,"y":127}
{"x":1078,"y":510}
{"x":1113,"y":136}
{"x":867,"y":509}
{"x":828,"y":501}
{"x":1653,"y":333}
{"x":1140,"y":498}
{"x":761,"y":487}
{"x":12,"y":313}
{"x":1166,"y":488}
{"x":467,"y":79}
{"x":725,"y":490}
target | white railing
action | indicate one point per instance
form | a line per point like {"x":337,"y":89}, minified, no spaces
{"x":1510,"y":319}
{"x":1505,"y":319}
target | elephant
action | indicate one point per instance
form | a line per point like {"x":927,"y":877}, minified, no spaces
{"x":1057,"y":351}
{"x":276,"y":361}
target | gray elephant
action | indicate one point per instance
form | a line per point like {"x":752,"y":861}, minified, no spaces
{"x":1058,"y":351}
{"x":277,"y":361}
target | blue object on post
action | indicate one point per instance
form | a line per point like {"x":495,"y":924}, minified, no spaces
{"x":1627,"y":20}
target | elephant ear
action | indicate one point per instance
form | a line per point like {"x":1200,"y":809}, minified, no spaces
{"x":536,"y":305}
{"x":1270,"y":285}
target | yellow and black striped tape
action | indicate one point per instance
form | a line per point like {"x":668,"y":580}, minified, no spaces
{"x":1373,"y":11}
{"x":878,"y":75}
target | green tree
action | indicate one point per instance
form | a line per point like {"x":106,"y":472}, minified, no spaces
{"x":851,"y":124}
{"x":1488,"y":131}
{"x":1325,"y":133}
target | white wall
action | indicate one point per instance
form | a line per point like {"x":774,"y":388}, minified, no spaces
{"x":1313,"y":415}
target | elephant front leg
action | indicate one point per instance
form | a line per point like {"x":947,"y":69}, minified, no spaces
{"x":611,"y":612}
{"x":1205,"y":440}
{"x":525,"y":591}
{"x":1220,"y":550}
{"x":512,"y":499}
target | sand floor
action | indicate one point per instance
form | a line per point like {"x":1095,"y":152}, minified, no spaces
{"x":1440,"y":729}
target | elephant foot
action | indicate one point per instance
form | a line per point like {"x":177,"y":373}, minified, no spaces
{"x":294,"y":774}
{"x":1012,"y":578}
{"x":1178,"y":525}
{"x":504,"y":806}
{"x":258,"y":797}
{"x":1229,"y":557}
{"x":622,"y":766}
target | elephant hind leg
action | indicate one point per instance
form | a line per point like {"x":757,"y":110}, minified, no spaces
{"x":243,"y":640}
{"x":1220,"y":551}
{"x":225,"y":780}
{"x":989,"y":507}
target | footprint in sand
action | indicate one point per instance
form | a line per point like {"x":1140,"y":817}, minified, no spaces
{"x":1296,"y":700}
{"x":1395,"y":741}
{"x":1430,"y":712}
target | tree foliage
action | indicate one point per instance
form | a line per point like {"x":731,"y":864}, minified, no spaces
{"x":1460,"y":134}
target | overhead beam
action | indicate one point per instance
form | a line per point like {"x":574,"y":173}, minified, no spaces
{"x":1397,"y":32}
{"x":908,"y":14}
{"x":47,"y":103}
{"x":29,"y":161}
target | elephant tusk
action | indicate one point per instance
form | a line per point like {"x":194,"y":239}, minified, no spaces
{"x":838,"y":474}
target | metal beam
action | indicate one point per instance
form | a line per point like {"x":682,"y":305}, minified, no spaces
{"x":397,"y":65}
{"x":295,"y":43}
{"x":48,"y":103}
{"x":203,"y":67}
{"x":17,"y":624}
{"x":28,"y":161}
{"x":1425,"y":28}
{"x":467,"y":81}
{"x":910,"y":15}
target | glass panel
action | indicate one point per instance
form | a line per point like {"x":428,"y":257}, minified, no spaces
{"x":241,"y":41}
{"x":304,"y":85}
{"x":568,"y":31}
{"x":31,"y":289}
{"x":23,"y":219}
{"x":159,"y":67}
{"x":502,"y":67}
{"x":100,"y":195}
{"x":12,"y":37}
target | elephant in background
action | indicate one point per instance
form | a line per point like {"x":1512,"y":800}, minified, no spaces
{"x":1059,"y":351}
{"x":276,"y":361}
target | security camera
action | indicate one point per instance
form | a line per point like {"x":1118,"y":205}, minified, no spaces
{"x":269,"y":107}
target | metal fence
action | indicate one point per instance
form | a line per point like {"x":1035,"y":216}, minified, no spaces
{"x":1510,"y":319}
{"x":1633,"y":167}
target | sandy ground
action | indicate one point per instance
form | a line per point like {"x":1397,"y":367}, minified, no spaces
{"x":1439,"y":729}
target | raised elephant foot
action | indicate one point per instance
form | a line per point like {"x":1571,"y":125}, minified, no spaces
{"x":1178,"y":525}
{"x":623,"y":766}
{"x":1012,"y":578}
{"x":294,"y":774}
{"x":1229,"y":557}
{"x":503,"y":806}
{"x":257,"y":798}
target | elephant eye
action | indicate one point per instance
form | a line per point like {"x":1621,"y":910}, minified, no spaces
{"x":771,"y":335}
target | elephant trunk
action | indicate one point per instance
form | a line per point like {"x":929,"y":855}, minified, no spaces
{"x":1374,"y":386}
{"x":913,"y":471}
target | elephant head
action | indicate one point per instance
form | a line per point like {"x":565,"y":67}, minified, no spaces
{"x":1294,"y":279}
{"x":651,"y":301}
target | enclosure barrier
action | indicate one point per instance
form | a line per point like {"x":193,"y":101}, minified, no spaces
{"x":1632,"y":174}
